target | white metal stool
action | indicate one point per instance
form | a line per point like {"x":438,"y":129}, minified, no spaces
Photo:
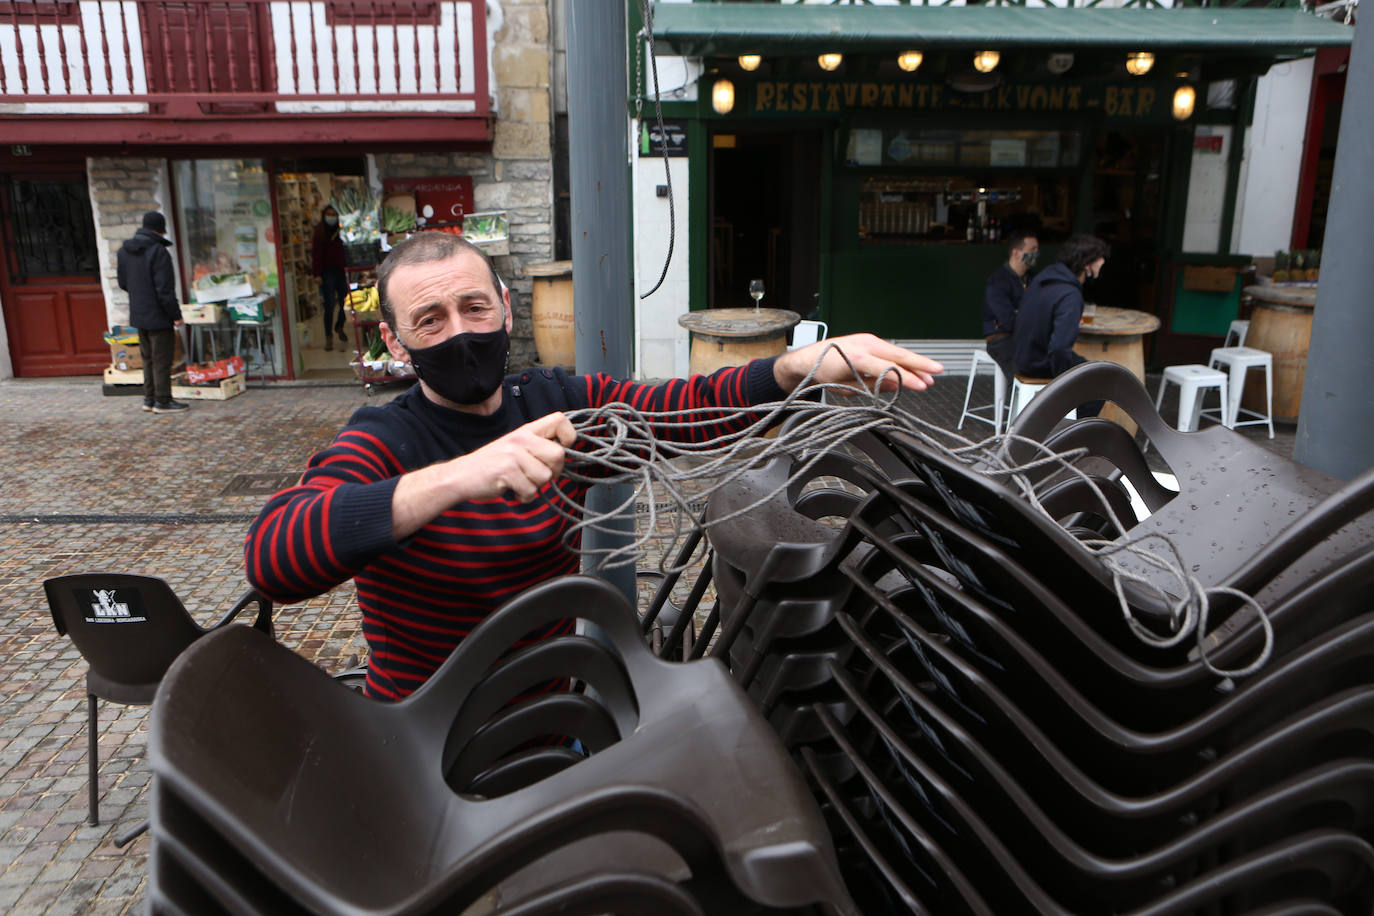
{"x":1193,"y":382}
{"x":265,"y":349}
{"x":1235,"y":334}
{"x":999,"y":387}
{"x":1023,"y":388}
{"x":1237,"y":361}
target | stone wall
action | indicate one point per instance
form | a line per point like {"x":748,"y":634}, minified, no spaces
{"x":517,"y":175}
{"x":122,"y":190}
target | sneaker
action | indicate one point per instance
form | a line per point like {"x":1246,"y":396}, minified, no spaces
{"x":148,"y":404}
{"x":343,"y":338}
{"x":169,"y":406}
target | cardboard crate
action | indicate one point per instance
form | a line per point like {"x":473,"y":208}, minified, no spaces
{"x":254,"y":308}
{"x":222,"y":390}
{"x":201,"y":314}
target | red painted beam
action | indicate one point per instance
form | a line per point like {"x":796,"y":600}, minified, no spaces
{"x":277,"y":130}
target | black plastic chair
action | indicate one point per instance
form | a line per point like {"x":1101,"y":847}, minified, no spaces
{"x":129,"y":629}
{"x":689,"y":748}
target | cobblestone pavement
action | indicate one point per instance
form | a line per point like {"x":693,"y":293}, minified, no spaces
{"x":94,"y":483}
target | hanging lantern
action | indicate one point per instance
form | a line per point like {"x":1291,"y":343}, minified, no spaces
{"x":1138,"y":63}
{"x":723,"y":96}
{"x":750,"y":61}
{"x":1185,"y":97}
{"x":986,"y":61}
{"x":909,"y":60}
{"x":830,"y":61}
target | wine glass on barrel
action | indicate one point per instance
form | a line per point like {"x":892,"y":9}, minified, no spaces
{"x":756,"y":290}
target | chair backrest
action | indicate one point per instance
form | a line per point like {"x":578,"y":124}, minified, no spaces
{"x":1235,"y":334}
{"x":807,"y":332}
{"x":129,"y":629}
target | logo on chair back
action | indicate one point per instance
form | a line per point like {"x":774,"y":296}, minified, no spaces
{"x":106,"y":607}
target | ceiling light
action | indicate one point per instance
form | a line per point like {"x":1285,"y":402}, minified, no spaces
{"x":1185,"y":97}
{"x":986,"y":61}
{"x":1059,"y":63}
{"x":909,"y":60}
{"x":1138,"y":63}
{"x":723,"y":96}
{"x":750,"y":61}
{"x":830,"y":61}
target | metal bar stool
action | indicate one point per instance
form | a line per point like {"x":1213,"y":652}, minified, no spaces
{"x":999,"y":384}
{"x":1025,"y":387}
{"x":264,"y":344}
{"x":1193,"y":381}
{"x":1237,"y":361}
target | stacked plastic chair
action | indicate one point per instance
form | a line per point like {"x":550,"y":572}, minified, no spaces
{"x":988,"y":733}
{"x":658,"y":789}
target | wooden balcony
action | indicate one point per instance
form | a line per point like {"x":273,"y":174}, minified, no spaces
{"x":197,"y":72}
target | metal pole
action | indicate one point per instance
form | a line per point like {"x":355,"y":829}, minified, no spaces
{"x":599,"y":171}
{"x":1336,"y":422}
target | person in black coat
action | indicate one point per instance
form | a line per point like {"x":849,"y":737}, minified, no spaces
{"x":1051,"y":309}
{"x":145,"y":272}
{"x":1002,"y":298}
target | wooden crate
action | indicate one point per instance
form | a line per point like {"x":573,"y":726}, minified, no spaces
{"x":225,"y":389}
{"x":115,"y":376}
{"x":201,"y":314}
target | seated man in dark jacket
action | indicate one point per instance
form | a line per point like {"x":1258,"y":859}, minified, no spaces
{"x":1047,"y":322}
{"x":145,"y":271}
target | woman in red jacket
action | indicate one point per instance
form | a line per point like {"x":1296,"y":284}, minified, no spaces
{"x":327,"y":256}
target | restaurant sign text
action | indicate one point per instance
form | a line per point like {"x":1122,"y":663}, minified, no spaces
{"x":811,"y":97}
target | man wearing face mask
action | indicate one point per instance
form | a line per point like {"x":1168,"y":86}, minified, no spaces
{"x":430,"y":503}
{"x":1002,"y":298}
{"x":1047,"y":323}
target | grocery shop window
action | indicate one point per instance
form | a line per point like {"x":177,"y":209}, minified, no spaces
{"x":367,"y":12}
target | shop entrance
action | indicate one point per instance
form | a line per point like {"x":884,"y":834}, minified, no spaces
{"x":49,"y":276}
{"x":765,"y":219}
{"x":304,"y":188}
{"x":1127,"y":214}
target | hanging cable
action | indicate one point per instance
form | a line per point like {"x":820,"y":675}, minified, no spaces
{"x":647,"y":11}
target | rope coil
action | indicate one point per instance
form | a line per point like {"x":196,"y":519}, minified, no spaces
{"x":619,"y":445}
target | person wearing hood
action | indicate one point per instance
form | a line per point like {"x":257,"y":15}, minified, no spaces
{"x":328,"y":263}
{"x":440,"y":504}
{"x":1047,"y":322}
{"x":145,"y":272}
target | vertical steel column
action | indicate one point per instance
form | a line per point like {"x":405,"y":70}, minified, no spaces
{"x":603,"y":283}
{"x":1336,"y":422}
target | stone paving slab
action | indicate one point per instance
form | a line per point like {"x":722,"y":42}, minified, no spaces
{"x":93,"y":483}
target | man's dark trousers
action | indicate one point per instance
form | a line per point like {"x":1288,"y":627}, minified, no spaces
{"x":157,"y":348}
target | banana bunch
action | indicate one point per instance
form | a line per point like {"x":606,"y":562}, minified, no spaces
{"x":364,"y":300}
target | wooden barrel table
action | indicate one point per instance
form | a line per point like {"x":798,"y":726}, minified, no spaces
{"x":1117,"y":336}
{"x":551,"y":312}
{"x":1280,"y":324}
{"x":732,"y":337}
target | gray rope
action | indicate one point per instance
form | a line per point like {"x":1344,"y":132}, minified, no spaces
{"x":618,"y":445}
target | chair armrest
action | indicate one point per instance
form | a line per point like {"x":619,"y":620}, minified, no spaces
{"x":263,"y":622}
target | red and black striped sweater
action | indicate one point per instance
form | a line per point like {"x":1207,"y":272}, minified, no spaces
{"x":420,"y":597}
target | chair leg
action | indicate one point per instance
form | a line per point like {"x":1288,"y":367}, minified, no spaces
{"x":1269,"y":398}
{"x":999,"y":394}
{"x":92,"y":758}
{"x":968,"y":393}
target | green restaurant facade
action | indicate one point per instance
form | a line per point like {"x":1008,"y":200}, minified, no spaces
{"x":879,"y":198}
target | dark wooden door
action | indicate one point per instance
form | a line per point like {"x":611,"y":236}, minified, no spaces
{"x":50,"y":279}
{"x":208,"y":52}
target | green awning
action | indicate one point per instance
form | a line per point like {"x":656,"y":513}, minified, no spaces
{"x":708,"y":29}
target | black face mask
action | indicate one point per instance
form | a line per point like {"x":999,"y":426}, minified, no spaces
{"x":466,"y":368}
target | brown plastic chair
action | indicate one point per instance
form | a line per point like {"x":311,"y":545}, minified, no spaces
{"x":325,"y":800}
{"x":129,"y":629}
